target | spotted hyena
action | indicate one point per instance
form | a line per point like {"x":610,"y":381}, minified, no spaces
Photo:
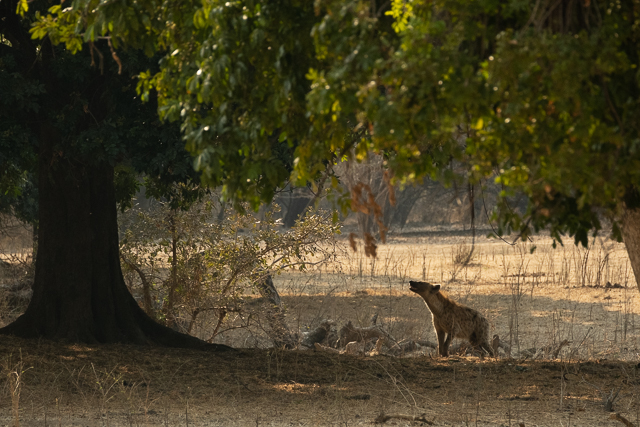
{"x":453,"y":319}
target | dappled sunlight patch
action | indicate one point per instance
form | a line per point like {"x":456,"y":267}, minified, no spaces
{"x":81,"y":348}
{"x":297,"y":388}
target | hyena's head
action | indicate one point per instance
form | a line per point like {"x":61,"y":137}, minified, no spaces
{"x":423,"y":289}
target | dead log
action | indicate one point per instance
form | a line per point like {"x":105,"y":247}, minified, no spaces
{"x":279,"y":331}
{"x":427,"y":344}
{"x":355,"y":348}
{"x":408,"y":346}
{"x":382,"y":418}
{"x":349,"y":333}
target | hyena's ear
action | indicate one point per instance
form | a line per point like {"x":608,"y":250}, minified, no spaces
{"x":436,"y":288}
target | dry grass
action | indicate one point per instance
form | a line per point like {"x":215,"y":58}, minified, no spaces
{"x":532,"y":301}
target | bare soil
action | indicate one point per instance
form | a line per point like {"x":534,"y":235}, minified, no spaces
{"x":74,"y":385}
{"x":533,"y":301}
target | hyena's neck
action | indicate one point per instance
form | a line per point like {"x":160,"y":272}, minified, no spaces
{"x":435,"y":304}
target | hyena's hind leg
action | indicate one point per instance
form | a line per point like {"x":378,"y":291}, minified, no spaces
{"x":481,"y":338}
{"x":481,"y":345}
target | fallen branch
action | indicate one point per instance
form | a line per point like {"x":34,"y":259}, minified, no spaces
{"x":320,"y":347}
{"x":407,"y":347}
{"x":623,"y":420}
{"x":427,"y":344}
{"x":539,"y":353}
{"x":382,"y":418}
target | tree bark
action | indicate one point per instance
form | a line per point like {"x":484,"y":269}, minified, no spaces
{"x":173,"y":285}
{"x":79,"y":293}
{"x":299,"y":200}
{"x":279,"y":331}
{"x":631,"y":237}
{"x":147,"y":300}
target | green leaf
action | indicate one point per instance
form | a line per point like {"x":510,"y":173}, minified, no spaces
{"x":22,"y":7}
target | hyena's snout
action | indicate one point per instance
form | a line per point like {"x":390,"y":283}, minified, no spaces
{"x":423,"y":288}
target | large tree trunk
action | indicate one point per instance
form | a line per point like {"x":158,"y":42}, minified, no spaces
{"x":299,"y":200}
{"x":631,"y":236}
{"x":79,"y":293}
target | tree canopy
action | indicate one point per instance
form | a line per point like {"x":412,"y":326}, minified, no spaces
{"x":541,"y":97}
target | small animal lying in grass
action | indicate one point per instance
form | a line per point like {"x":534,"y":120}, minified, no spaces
{"x":453,"y":320}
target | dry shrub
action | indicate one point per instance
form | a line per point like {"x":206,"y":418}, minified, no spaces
{"x":196,"y":270}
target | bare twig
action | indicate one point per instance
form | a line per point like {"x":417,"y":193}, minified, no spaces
{"x":115,"y":56}
{"x":223,"y":314}
{"x":607,"y":399}
{"x":611,"y":398}
{"x":146,"y":286}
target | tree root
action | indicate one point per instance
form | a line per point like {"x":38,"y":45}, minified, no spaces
{"x":623,"y":420}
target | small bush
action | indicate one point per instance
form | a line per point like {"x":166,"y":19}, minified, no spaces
{"x":195,"y":270}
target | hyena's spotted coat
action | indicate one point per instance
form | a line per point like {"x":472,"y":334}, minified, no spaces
{"x":453,"y":319}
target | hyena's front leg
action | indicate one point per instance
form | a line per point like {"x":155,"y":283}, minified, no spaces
{"x":447,"y":343}
{"x":442,"y":348}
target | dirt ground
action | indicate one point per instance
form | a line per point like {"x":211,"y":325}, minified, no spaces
{"x":72,"y":385}
{"x":534,"y":302}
